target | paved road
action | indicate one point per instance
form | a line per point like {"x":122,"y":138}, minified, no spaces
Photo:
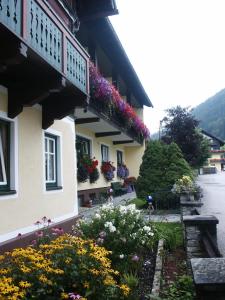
{"x":214,"y":202}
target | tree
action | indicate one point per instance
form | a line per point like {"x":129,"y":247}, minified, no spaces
{"x":180,"y":127}
{"x":161,"y":166}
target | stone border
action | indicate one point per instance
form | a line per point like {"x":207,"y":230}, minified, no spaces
{"x":158,"y":270}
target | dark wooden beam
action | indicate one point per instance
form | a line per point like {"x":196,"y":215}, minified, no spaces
{"x":107,"y":133}
{"x":122,"y":142}
{"x":86,"y":120}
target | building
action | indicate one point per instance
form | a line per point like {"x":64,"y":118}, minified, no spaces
{"x":44,"y":87}
{"x":103,"y":128}
{"x":217,"y":158}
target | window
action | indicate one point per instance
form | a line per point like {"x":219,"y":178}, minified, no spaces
{"x":119,"y":157}
{"x":105,"y":153}
{"x":4,"y":155}
{"x":83,"y":146}
{"x":51,"y":161}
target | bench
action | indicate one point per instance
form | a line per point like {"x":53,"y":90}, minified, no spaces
{"x":118,"y":189}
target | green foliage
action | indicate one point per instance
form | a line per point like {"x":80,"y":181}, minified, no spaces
{"x":182,"y":289}
{"x":180,"y":126}
{"x":172,"y":233}
{"x":139,"y":203}
{"x":161,"y":166}
{"x":211,"y":115}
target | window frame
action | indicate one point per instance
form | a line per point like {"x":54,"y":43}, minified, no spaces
{"x":6,"y":168}
{"x":56,"y":183}
{"x":118,"y":152}
{"x":103,"y":146}
{"x":85,"y":139}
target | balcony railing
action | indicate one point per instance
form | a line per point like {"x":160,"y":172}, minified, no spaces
{"x":42,"y":30}
{"x":107,"y":112}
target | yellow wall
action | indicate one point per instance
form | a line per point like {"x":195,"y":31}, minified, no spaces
{"x":134,"y":159}
{"x":132,"y":156}
{"x":32,"y":201}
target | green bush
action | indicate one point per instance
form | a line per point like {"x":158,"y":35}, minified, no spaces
{"x":161,"y":166}
{"x":123,"y":231}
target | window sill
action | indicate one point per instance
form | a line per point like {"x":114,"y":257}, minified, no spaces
{"x":5,"y":193}
{"x":53,"y":188}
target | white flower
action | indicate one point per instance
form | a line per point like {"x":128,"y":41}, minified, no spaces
{"x":97,"y":216}
{"x":112,"y":228}
{"x":151,"y":233}
{"x":121,"y":256}
{"x":147,"y":228}
{"x":108,"y":224}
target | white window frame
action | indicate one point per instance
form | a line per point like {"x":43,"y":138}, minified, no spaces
{"x":54,"y":154}
{"x":59,"y":167}
{"x":4,"y":182}
{"x":13,"y":156}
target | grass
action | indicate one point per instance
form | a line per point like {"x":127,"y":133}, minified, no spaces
{"x":172,"y":233}
{"x":140,"y":203}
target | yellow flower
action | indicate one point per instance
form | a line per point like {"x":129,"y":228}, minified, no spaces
{"x":24,"y":284}
{"x":64,"y":296}
{"x":109,"y":281}
{"x":86,"y":284}
{"x":125,"y":289}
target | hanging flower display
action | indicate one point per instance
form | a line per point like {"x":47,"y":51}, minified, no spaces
{"x":104,"y":91}
{"x":122,"y":171}
{"x":108,"y":169}
{"x":87,"y":168}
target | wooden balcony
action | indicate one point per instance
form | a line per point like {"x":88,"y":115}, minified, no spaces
{"x":41,"y":61}
{"x":104,"y":112}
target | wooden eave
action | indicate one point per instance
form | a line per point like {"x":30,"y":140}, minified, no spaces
{"x":88,"y":10}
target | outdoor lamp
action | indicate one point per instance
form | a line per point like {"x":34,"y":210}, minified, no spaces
{"x":149,"y":199}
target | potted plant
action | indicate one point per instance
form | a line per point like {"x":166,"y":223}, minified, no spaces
{"x":107,"y":170}
{"x":122,"y":171}
{"x":87,"y":168}
{"x":185,"y":187}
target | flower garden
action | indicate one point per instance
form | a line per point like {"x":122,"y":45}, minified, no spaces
{"x":102,"y":259}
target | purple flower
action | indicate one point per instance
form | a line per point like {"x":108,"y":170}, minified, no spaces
{"x":100,"y":241}
{"x":74,"y":296}
{"x":135,"y":258}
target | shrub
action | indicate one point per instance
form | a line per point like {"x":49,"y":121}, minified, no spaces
{"x":66,"y":268}
{"x":161,"y":166}
{"x":122,"y":230}
{"x":172,"y":233}
{"x":182,"y":289}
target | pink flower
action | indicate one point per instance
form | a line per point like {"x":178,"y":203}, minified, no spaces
{"x":44,"y":219}
{"x":39,"y":233}
{"x":19,"y":235}
{"x":37,"y":223}
{"x":74,"y":296}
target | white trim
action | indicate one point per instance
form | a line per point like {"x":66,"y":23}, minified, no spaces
{"x":13,"y":155}
{"x":28,"y":229}
{"x":59,"y":143}
{"x":4,"y":182}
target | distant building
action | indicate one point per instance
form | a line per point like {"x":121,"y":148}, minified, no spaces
{"x":217,"y":158}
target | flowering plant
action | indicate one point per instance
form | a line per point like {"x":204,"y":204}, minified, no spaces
{"x":108,"y":169}
{"x":122,"y":230}
{"x":68,"y":267}
{"x":87,"y":168}
{"x":184,"y":185}
{"x":104,"y":91}
{"x":122,"y":171}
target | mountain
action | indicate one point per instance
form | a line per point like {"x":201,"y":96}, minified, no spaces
{"x":211,"y":114}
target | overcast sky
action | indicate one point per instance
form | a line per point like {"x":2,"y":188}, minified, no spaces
{"x":177,"y":48}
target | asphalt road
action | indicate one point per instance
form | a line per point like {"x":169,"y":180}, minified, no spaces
{"x":214,"y":202}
